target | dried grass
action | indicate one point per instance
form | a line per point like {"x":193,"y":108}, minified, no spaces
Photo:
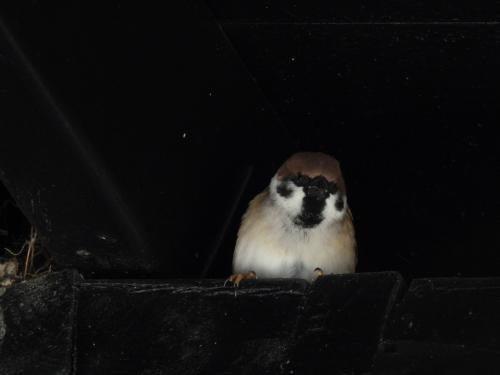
{"x":34,"y":258}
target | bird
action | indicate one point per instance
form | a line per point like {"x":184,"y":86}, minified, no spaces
{"x":300,"y":226}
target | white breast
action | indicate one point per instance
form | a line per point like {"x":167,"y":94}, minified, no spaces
{"x":271,"y":248}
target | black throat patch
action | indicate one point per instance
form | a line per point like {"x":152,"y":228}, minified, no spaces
{"x":316,"y":190}
{"x":312,"y":212}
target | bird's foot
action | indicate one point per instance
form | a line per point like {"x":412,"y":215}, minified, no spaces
{"x":236,"y":278}
{"x":317,"y":273}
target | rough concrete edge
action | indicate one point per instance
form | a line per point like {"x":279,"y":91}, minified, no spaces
{"x":74,"y":278}
{"x":197,"y":285}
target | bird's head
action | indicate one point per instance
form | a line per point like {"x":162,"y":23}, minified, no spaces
{"x":309,"y":190}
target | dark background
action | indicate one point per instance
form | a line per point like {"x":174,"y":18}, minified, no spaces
{"x":139,"y":135}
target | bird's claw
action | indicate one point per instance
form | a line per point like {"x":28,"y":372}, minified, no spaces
{"x":236,"y":278}
{"x":317,"y":273}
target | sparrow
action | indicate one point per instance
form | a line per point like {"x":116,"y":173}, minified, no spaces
{"x":300,"y":226}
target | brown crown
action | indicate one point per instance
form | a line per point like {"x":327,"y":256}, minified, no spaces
{"x":313,"y":164}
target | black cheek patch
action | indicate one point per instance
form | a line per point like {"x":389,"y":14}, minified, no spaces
{"x":339,"y":204}
{"x":284,"y":190}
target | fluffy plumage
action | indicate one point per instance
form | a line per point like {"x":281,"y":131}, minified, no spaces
{"x":299,"y":223}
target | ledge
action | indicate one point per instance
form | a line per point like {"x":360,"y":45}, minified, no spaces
{"x":364,"y":323}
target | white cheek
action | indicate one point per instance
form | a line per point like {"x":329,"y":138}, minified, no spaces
{"x":330,"y":212}
{"x":291,"y":205}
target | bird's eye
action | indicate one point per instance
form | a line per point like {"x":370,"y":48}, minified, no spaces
{"x":301,"y":180}
{"x":320,"y":182}
{"x":332,"y":188}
